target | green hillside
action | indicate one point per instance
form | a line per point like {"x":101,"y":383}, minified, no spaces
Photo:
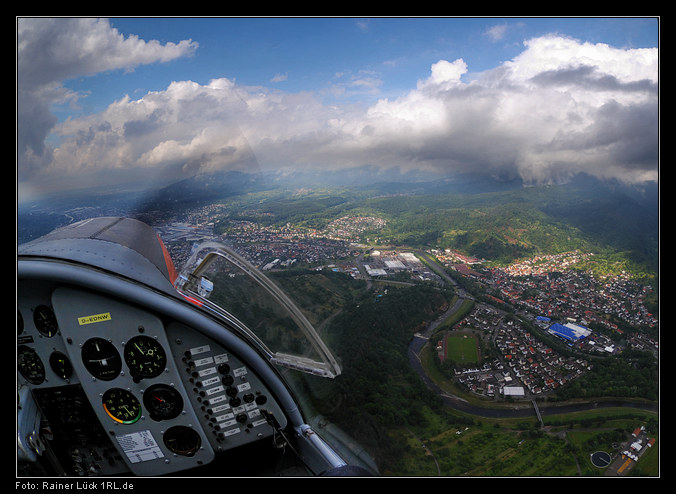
{"x":609,"y":221}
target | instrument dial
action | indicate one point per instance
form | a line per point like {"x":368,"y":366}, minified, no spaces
{"x":45,"y":321}
{"x":101,"y":359}
{"x":121,"y":406}
{"x":182,"y":440}
{"x":145,"y":357}
{"x":30,"y":365}
{"x":162,"y":402}
{"x":60,"y":364}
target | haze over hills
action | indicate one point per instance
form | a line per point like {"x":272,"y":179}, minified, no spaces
{"x":489,"y":218}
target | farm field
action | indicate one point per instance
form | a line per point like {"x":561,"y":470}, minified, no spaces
{"x":520,"y":448}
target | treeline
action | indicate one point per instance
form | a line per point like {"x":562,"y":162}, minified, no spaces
{"x":378,"y":389}
{"x":633,"y":374}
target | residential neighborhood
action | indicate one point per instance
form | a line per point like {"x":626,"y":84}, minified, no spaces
{"x":556,"y":300}
{"x":524,"y":366}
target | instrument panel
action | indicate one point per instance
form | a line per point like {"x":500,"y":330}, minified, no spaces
{"x":122,"y":389}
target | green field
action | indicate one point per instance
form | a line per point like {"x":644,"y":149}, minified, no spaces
{"x":519,"y":447}
{"x":462,"y":349}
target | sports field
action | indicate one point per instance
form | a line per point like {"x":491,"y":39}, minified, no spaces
{"x":462,"y":349}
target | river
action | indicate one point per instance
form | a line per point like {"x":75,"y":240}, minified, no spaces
{"x":517,"y":410}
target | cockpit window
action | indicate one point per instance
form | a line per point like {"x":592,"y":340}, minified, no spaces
{"x":257,"y":308}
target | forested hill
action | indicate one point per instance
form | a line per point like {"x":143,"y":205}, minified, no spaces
{"x":499,"y":222}
{"x":501,"y":226}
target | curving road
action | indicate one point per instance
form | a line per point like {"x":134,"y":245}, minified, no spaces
{"x":462,"y":405}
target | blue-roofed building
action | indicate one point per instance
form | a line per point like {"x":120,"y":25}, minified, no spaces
{"x":569,"y":331}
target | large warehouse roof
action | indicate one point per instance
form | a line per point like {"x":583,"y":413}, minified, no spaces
{"x":569,"y":331}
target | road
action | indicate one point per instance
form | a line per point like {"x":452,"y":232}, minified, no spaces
{"x":458,"y":403}
{"x":462,"y":405}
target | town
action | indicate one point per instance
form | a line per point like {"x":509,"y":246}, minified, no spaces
{"x":524,"y":366}
{"x":544,"y":285}
{"x":543,"y":289}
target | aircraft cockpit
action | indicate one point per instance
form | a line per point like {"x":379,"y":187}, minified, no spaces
{"x":128,"y":367}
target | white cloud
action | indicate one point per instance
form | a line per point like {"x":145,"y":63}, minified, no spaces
{"x":52,"y":50}
{"x":559,"y":108}
{"x":56,"y":49}
{"x":446,"y":74}
{"x":497,"y":32}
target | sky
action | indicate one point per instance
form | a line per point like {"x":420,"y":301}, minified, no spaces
{"x":146,"y":100}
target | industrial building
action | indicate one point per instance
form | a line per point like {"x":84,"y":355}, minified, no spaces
{"x":569,"y":331}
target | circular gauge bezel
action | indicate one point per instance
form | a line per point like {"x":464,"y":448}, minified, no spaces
{"x":101,"y":359}
{"x":182,"y":440}
{"x":121,"y":406}
{"x":162,"y":402}
{"x":60,"y":364}
{"x":30,"y":364}
{"x":45,"y":321}
{"x":145,"y":357}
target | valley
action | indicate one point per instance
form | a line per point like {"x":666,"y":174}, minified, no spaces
{"x":371,"y":266}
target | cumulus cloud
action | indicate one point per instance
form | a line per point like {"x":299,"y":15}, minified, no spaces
{"x":559,"y":108}
{"x":51,"y":51}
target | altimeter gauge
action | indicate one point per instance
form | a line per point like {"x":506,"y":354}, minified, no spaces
{"x":121,"y":406}
{"x":145,"y":357}
{"x":30,"y":365}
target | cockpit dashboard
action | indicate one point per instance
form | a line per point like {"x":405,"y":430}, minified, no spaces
{"x":120,"y":373}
